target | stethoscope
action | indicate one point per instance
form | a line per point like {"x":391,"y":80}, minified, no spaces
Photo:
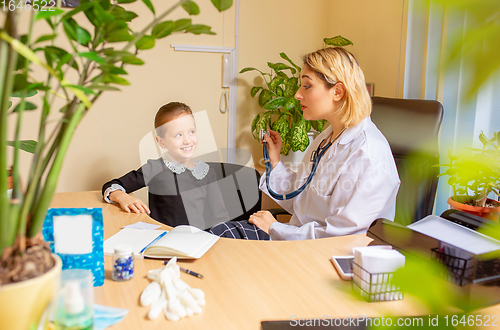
{"x":315,"y":158}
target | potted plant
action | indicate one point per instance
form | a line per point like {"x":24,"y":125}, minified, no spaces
{"x":94,"y":61}
{"x":473,"y":177}
{"x":282,"y":111}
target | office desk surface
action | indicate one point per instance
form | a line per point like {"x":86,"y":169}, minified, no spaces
{"x":245,"y":282}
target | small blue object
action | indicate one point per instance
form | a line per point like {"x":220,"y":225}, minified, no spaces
{"x":105,"y":316}
{"x":123,"y":263}
{"x":93,"y":261}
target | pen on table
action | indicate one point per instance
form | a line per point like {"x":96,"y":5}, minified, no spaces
{"x":187,"y":271}
{"x":153,"y":241}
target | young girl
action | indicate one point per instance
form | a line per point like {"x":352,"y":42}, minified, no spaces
{"x":356,"y":180}
{"x":181,"y":190}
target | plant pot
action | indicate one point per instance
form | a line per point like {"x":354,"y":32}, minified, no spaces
{"x":23,"y":303}
{"x":294,"y":158}
{"x":10,"y":184}
{"x":490,"y":213}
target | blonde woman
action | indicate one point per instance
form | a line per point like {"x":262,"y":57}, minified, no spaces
{"x":356,"y":179}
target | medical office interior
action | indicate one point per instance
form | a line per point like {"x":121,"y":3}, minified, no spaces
{"x":400,"y":45}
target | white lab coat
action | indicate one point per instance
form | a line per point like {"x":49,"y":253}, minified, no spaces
{"x":355,"y":183}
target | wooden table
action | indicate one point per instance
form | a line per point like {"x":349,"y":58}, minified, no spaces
{"x":245,"y":282}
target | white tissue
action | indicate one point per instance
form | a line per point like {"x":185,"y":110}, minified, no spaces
{"x":169,"y":293}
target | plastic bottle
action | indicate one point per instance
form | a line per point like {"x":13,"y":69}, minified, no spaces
{"x":74,"y":315}
{"x":123,"y":263}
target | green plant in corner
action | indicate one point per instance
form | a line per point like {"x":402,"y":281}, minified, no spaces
{"x":94,"y":61}
{"x":473,"y":177}
{"x":282,"y":111}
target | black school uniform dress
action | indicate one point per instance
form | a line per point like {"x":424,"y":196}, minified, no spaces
{"x":177,"y":195}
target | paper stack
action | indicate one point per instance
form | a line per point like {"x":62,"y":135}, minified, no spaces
{"x":372,"y":272}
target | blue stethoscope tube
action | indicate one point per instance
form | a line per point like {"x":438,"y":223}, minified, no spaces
{"x":317,"y":154}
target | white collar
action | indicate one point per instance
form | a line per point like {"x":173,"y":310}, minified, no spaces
{"x":199,"y":171}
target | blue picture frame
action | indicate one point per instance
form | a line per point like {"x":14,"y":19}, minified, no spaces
{"x":93,"y":261}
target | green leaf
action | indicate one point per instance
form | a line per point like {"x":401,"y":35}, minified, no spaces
{"x":101,"y":15}
{"x":290,"y":104}
{"x":46,"y":37}
{"x":26,"y":145}
{"x":318,"y":125}
{"x":275,"y":103}
{"x":116,"y":70}
{"x":104,"y":88}
{"x":222,"y":5}
{"x":27,"y":107}
{"x":275,"y":82}
{"x":280,"y":66}
{"x":81,"y":7}
{"x":10,"y":104}
{"x":146,"y":42}
{"x":285,"y":57}
{"x":182,"y":24}
{"x":59,"y":55}
{"x":163,"y":29}
{"x":83,"y":89}
{"x":150,"y":5}
{"x":262,"y":123}
{"x":199,"y":29}
{"x":281,"y":125}
{"x":279,"y":92}
{"x":39,"y":86}
{"x":125,"y":1}
{"x":191,"y":7}
{"x":291,"y":87}
{"x":287,"y":144}
{"x":114,"y":79}
{"x":83,"y":37}
{"x":119,"y":36}
{"x":93,"y":56}
{"x":255,"y":90}
{"x":249,"y":69}
{"x":20,"y":82}
{"x":300,"y":140}
{"x":264,"y":97}
{"x":254,"y":125}
{"x":132,"y":60}
{"x":48,"y":13}
{"x":30,"y":93}
{"x":337,"y":41}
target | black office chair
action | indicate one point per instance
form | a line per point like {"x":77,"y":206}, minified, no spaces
{"x":412,"y":128}
{"x":239,"y":186}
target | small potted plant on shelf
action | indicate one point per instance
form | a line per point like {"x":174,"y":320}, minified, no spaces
{"x":80,"y":62}
{"x":282,"y":111}
{"x":473,"y":177}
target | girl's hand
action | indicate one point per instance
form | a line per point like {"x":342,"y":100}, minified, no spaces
{"x":274,"y":144}
{"x":129,"y":203}
{"x":263,"y":220}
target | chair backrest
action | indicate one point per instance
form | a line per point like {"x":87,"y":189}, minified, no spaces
{"x":239,"y":186}
{"x":412,"y":129}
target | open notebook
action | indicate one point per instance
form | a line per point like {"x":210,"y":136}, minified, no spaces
{"x":183,"y":242}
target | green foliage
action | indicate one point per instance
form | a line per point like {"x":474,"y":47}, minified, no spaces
{"x":475,"y":176}
{"x":284,"y":114}
{"x":476,"y":46}
{"x":337,"y":41}
{"x":83,"y":55}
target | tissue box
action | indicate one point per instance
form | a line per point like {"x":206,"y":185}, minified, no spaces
{"x":374,"y":286}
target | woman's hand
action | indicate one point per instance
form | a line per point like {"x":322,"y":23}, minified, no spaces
{"x":263,"y":220}
{"x":274,"y":144}
{"x":129,"y":203}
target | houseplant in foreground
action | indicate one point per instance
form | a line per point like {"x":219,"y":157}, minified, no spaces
{"x":282,"y":111}
{"x":92,"y":62}
{"x":473,"y":177}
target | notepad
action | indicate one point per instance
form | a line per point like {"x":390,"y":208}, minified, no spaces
{"x":183,"y":242}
